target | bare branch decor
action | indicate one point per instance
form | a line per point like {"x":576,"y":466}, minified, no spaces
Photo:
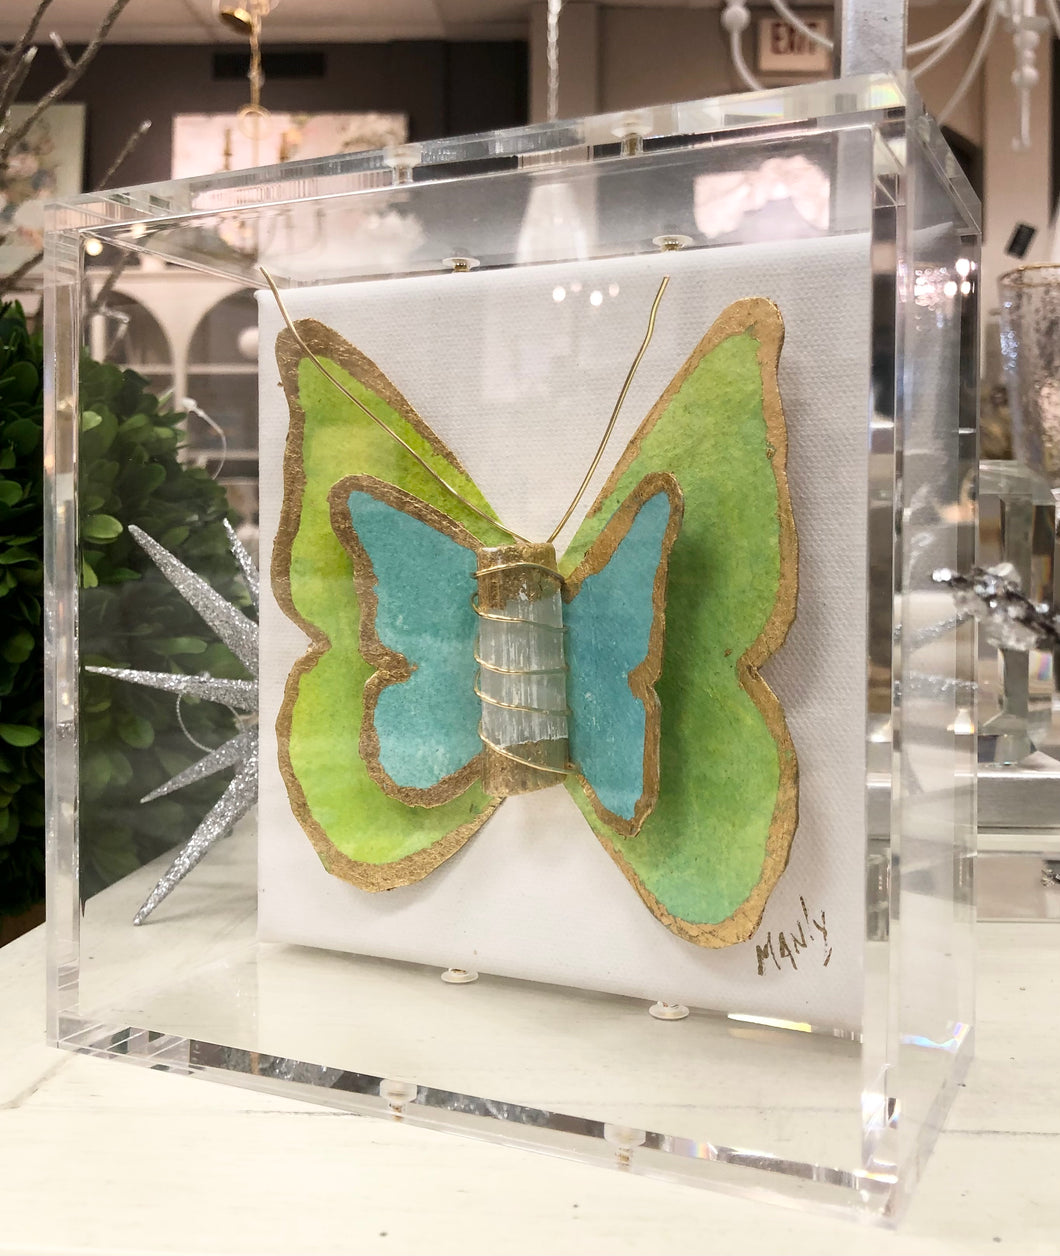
{"x":9,"y":138}
{"x":15,"y":64}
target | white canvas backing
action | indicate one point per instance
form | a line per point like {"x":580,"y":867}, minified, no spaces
{"x":517,"y":371}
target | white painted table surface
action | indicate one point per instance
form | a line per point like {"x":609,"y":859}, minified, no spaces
{"x":100,"y":1157}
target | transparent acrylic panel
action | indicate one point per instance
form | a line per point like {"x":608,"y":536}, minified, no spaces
{"x":933,"y":788}
{"x":1015,"y":884}
{"x":169,"y":415}
{"x":1019,"y":741}
{"x":503,"y":282}
{"x":1017,"y":525}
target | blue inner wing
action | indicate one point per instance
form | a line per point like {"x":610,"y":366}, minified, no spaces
{"x":609,"y":630}
{"x":428,"y":724}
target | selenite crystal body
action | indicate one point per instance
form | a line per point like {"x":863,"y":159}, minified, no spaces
{"x":522,"y":671}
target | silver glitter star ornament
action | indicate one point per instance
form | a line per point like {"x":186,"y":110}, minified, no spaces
{"x":240,"y":634}
{"x":1010,"y":620}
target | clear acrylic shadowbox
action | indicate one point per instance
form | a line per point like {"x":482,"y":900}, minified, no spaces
{"x":720,"y":929}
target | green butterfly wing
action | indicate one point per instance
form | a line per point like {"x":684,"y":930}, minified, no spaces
{"x":717,"y":840}
{"x":360,"y":832}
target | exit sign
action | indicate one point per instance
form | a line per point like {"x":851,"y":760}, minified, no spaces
{"x":782,"y":49}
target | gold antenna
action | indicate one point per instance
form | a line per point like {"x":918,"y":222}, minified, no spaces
{"x":375,"y":418}
{"x":608,"y":431}
{"x":614,"y":413}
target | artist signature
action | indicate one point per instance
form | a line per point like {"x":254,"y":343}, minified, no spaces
{"x":790,"y":944}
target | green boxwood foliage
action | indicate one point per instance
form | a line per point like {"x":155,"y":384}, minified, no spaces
{"x":21,"y":579}
{"x":131,"y":737}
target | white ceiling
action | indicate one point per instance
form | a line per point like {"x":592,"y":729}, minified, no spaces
{"x":310,"y":21}
{"x":297,"y":21}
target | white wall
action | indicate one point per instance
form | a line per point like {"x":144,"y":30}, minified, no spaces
{"x":653,"y":55}
{"x":937,"y":85}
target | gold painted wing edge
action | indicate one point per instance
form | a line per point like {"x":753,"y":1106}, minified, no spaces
{"x":328,"y":343}
{"x":761,"y":318}
{"x":325,"y":343}
{"x":643,"y":677}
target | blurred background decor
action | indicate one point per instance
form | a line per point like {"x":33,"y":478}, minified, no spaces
{"x":46,"y":163}
{"x":208,"y":143}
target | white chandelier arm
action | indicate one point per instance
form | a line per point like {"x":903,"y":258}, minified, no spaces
{"x":950,"y":33}
{"x":792,"y":18}
{"x":1026,"y":27}
{"x":1054,"y":13}
{"x":742,"y":68}
{"x":735,"y":18}
{"x":944,"y":49}
{"x":973,"y":66}
{"x":875,"y":40}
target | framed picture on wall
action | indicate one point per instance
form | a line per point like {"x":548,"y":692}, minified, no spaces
{"x":209,"y":143}
{"x":47,"y":162}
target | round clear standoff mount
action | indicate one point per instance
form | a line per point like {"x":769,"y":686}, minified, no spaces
{"x":397,"y":1095}
{"x":461,"y":264}
{"x":624,"y":1139}
{"x":668,"y":1011}
{"x":632,"y":129}
{"x":671,"y":243}
{"x":459,"y":976}
{"x":402,"y":160}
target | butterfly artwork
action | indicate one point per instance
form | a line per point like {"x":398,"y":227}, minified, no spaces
{"x":453,"y":663}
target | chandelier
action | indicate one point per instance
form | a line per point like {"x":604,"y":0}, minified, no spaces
{"x":1019,"y":18}
{"x":245,"y":18}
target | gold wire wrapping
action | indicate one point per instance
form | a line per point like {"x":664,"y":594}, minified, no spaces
{"x":515,"y":706}
{"x":496,"y":567}
{"x":512,"y":619}
{"x":525,"y":763}
{"x":516,"y":671}
{"x":518,"y":575}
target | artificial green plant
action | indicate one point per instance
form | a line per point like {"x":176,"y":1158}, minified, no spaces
{"x":132,"y":738}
